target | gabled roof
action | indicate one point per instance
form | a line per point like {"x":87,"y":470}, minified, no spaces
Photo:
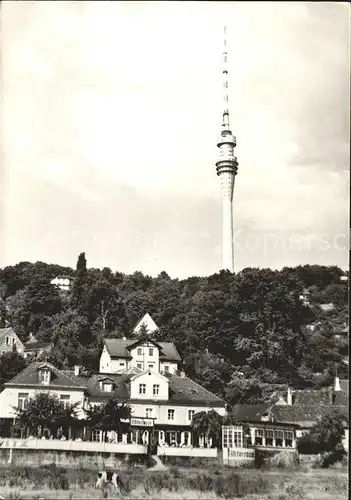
{"x":5,"y":332}
{"x":118,"y":348}
{"x":32,"y":346}
{"x":142,"y":341}
{"x":148,"y":322}
{"x":251,"y":413}
{"x":29,"y":377}
{"x":143,"y":372}
{"x":120,"y":386}
{"x":303,"y":415}
{"x":185,"y":389}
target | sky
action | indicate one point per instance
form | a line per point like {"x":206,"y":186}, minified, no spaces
{"x":110,"y":115}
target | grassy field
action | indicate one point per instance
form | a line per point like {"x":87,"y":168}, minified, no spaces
{"x":177,"y":483}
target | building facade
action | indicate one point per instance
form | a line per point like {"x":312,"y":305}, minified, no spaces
{"x":140,"y":372}
{"x":8,"y":340}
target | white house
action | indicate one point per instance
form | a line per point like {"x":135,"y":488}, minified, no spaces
{"x":120,"y":355}
{"x":140,"y":372}
{"x":9,"y":339}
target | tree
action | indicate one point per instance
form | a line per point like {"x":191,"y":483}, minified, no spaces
{"x":31,"y":307}
{"x":325,"y":438}
{"x":109,"y":416}
{"x":80,"y":281}
{"x":45,"y":410}
{"x":11,"y":364}
{"x":244,"y":389}
{"x":209,"y":425}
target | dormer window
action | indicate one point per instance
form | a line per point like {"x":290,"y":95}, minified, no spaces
{"x":106,"y":385}
{"x":44,"y":376}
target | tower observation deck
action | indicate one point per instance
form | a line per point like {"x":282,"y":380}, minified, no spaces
{"x":227,"y":168}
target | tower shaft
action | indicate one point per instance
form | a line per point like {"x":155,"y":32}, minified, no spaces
{"x":227,"y":167}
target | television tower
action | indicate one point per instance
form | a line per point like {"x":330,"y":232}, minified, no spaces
{"x":227,"y":168}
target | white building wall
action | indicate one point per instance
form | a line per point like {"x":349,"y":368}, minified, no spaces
{"x":105,"y":361}
{"x":143,"y":359}
{"x":172,"y":366}
{"x":111,"y":365}
{"x":149,"y":379}
{"x":160,"y":412}
{"x":9,"y":398}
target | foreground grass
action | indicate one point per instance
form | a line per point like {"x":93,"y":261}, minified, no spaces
{"x":180,"y":484}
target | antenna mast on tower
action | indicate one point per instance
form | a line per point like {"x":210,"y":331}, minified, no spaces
{"x":227,"y":168}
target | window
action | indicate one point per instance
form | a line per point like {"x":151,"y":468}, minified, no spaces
{"x":166,"y":369}
{"x":279,"y":436}
{"x":171,"y":414}
{"x":7,"y":340}
{"x":65,"y":400}
{"x":139,"y":365}
{"x":148,"y":412}
{"x":22,"y":400}
{"x":156,"y":389}
{"x":151,"y":351}
{"x":288,"y":439}
{"x":139,"y":351}
{"x":269,"y":434}
{"x":232,"y":437}
{"x":190,"y":414}
{"x":238,"y":438}
{"x":142,"y":388}
{"x":107,"y":387}
{"x":151,"y":366}
{"x":13,"y":341}
{"x":44,"y":376}
{"x":259,"y":437}
{"x":121,"y":364}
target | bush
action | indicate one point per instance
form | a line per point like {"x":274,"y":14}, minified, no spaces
{"x":285,"y":459}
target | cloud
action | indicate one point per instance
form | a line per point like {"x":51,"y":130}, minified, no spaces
{"x":111,"y":112}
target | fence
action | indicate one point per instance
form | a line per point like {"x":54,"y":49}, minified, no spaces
{"x":70,"y":445}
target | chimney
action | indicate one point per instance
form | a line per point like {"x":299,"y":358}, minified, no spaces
{"x":76,"y":370}
{"x":289,"y":397}
{"x":337,"y":387}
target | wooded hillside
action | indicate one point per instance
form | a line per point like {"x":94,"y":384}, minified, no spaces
{"x":238,"y":334}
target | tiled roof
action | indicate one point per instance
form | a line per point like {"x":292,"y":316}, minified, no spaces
{"x":182,"y":389}
{"x":30,"y":346}
{"x":185,"y":389}
{"x":311,"y":397}
{"x":251,"y":413}
{"x":305,"y":416}
{"x":29,"y":376}
{"x":117,"y":348}
{"x":120,"y":386}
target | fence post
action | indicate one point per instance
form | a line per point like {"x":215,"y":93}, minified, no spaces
{"x":10,"y":456}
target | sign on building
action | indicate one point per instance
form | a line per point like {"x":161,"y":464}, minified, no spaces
{"x":142,"y":422}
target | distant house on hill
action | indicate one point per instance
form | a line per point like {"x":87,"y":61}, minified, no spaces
{"x":147,"y":322}
{"x":64,"y":283}
{"x":119,"y":355}
{"x":33,"y":348}
{"x":9,"y":339}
